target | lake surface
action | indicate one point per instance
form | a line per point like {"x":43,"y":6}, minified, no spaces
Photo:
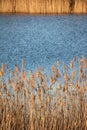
{"x":42,"y":40}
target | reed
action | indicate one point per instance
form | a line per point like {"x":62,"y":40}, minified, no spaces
{"x":41,"y":102}
{"x":43,"y":6}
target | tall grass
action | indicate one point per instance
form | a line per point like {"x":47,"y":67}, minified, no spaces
{"x":43,"y":6}
{"x":41,"y":102}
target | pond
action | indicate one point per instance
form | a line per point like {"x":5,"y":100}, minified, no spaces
{"x":42,"y":40}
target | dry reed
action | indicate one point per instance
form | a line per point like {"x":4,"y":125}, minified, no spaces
{"x":43,"y":6}
{"x":40,"y":102}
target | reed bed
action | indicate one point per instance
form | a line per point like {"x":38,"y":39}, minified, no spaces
{"x":43,"y":6}
{"x":41,"y":102}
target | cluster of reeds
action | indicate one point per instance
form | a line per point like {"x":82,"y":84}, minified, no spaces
{"x":41,"y":102}
{"x":43,"y":6}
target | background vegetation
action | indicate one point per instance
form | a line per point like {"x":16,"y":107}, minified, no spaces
{"x":43,"y":6}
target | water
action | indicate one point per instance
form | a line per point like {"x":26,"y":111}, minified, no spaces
{"x":42,"y":40}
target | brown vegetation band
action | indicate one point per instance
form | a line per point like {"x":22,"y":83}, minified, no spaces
{"x":43,"y":6}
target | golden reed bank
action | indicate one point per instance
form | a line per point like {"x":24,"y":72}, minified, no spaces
{"x":43,"y":6}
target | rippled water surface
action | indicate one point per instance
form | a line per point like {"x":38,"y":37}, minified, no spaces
{"x":42,"y":40}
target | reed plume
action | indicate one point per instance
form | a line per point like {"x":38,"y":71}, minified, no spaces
{"x":40,"y":102}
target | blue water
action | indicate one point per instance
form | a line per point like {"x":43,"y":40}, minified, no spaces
{"x":42,"y":40}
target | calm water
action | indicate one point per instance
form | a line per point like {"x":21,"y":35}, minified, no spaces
{"x":42,"y":40}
